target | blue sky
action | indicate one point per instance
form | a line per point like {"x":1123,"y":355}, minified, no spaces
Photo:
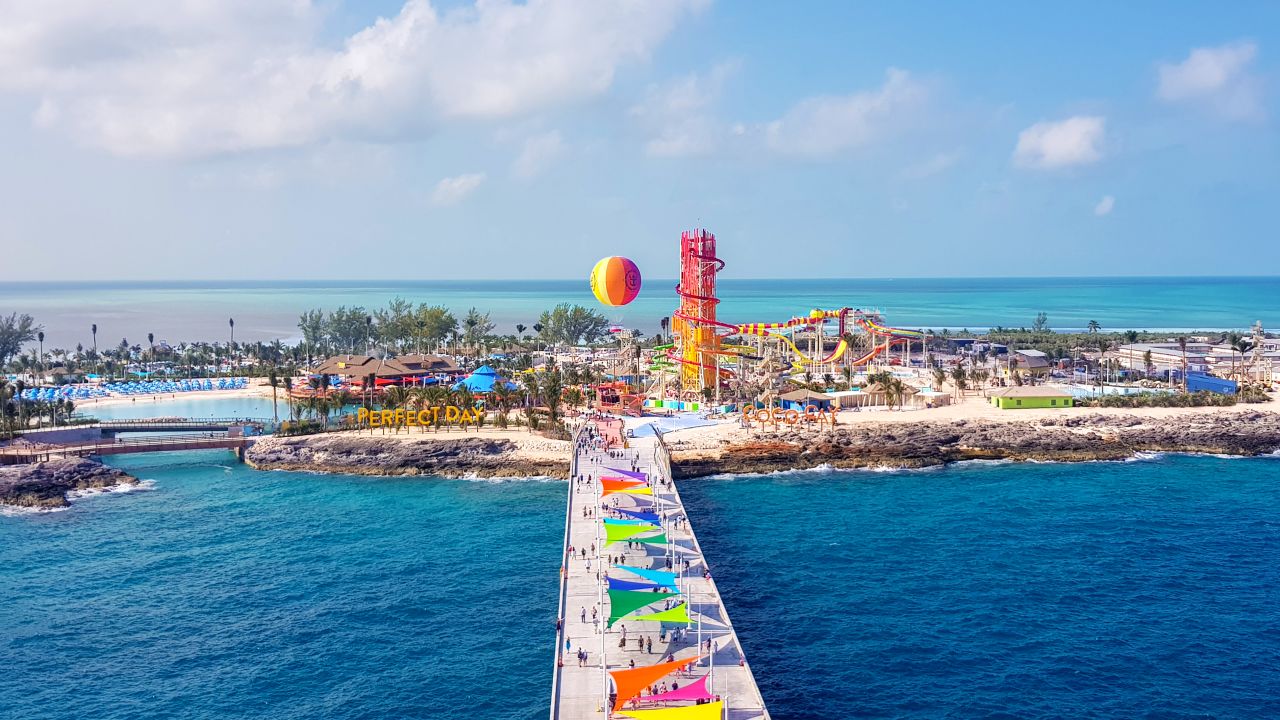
{"x":288,"y":139}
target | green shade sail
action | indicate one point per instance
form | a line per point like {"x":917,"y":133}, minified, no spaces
{"x":616,"y":533}
{"x":625,"y":602}
{"x":677,"y":614}
{"x":659,"y":539}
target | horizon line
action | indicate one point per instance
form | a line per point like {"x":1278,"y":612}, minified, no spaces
{"x":656,"y":279}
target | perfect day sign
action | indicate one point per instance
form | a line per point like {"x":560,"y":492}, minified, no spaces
{"x":435,"y":415}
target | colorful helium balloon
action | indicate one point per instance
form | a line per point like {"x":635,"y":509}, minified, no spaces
{"x":615,"y":281}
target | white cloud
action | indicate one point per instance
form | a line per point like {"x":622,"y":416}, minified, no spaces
{"x":537,"y":153}
{"x":1074,"y":141}
{"x":1104,"y":206}
{"x":143,"y":77}
{"x":452,"y":190}
{"x":936,"y":165}
{"x":825,"y":125}
{"x":1217,"y":77}
{"x":679,"y":116}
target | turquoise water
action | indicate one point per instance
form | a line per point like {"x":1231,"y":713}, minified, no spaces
{"x":1111,"y":590}
{"x":237,"y":406}
{"x":269,"y":310}
{"x":229,"y":593}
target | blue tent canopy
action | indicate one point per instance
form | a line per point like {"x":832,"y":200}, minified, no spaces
{"x":482,"y":380}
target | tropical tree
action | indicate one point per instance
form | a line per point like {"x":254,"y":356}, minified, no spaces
{"x":1182,"y":345}
{"x":40,"y":338}
{"x":959,"y":378}
{"x":939,"y":378}
{"x":274,"y":380}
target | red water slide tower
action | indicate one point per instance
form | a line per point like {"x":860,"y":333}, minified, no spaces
{"x":694,"y":326}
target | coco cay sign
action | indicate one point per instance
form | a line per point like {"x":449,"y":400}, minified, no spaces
{"x":437,"y":415}
{"x":812,"y":413}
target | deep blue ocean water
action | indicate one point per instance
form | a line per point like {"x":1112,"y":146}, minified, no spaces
{"x":1110,"y":590}
{"x":267,"y":310}
{"x":230,"y":593}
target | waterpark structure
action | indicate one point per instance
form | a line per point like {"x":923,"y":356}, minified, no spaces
{"x":707,"y":353}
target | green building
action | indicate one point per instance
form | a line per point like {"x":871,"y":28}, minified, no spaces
{"x":1027,"y":396}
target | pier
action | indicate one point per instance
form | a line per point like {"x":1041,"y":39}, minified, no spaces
{"x":689,"y":642}
{"x":154,"y":435}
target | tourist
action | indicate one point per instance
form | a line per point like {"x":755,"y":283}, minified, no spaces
{"x":584,"y":614}
{"x":649,"y":646}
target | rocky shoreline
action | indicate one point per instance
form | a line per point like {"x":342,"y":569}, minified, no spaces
{"x":461,"y":457}
{"x":1072,"y":438}
{"x":46,"y":484}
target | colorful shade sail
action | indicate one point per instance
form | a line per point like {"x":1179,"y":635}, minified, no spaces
{"x":696,"y":690}
{"x":624,"y":602}
{"x":708,"y":711}
{"x":609,"y":485}
{"x":677,"y":614}
{"x":660,"y":577}
{"x":638,"y":491}
{"x":629,"y":473}
{"x":623,"y":521}
{"x":646,"y":516}
{"x":630,"y":682}
{"x":616,"y":584}
{"x":660,"y":539}
{"x":618,"y":533}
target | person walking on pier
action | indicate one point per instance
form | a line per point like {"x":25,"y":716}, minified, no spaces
{"x":584,"y":614}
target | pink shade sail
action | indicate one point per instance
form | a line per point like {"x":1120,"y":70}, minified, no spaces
{"x":697,"y":690}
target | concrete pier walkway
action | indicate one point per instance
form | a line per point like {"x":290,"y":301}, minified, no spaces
{"x":581,"y":689}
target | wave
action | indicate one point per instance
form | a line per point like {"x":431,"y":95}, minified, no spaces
{"x":828,"y":469}
{"x":121,"y":489}
{"x":476,"y":477}
{"x":17,"y":511}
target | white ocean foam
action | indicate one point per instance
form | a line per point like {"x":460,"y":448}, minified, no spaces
{"x":121,"y":489}
{"x":1144,"y":456}
{"x":15,"y":511}
{"x":475,"y":477}
{"x":984,"y":461}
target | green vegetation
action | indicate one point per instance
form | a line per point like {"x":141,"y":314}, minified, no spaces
{"x":567,"y":324}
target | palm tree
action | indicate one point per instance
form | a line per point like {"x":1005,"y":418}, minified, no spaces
{"x":151,"y":341}
{"x":1182,"y":345}
{"x":665,"y":324}
{"x":232,"y":346}
{"x":520,"y":328}
{"x":93,"y":330}
{"x":1094,"y":327}
{"x":939,"y":378}
{"x":274,"y":380}
{"x":40,"y":337}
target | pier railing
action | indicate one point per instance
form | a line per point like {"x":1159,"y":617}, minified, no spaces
{"x":562,"y":621}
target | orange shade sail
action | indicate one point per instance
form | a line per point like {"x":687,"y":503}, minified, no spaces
{"x":630,"y":682}
{"x":612,"y":485}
